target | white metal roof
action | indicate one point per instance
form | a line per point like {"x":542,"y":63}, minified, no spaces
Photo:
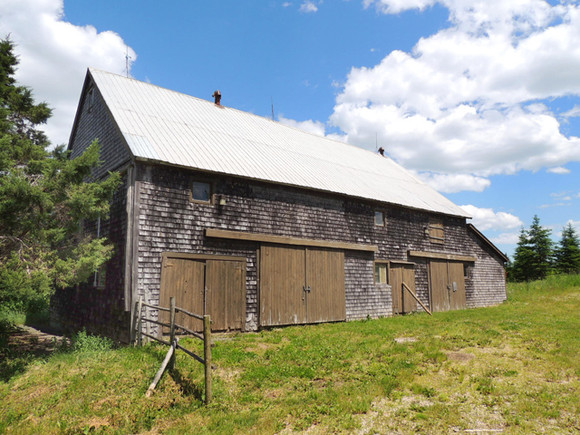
{"x":174,"y":128}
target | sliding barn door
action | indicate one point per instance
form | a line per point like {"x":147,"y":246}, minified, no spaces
{"x":325,"y":299}
{"x":447,"y":284}
{"x":301,"y":285}
{"x":205,"y":285}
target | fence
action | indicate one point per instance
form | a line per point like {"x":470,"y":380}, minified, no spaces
{"x":406,"y":287}
{"x":173,"y":343}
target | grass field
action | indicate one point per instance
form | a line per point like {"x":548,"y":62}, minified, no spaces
{"x":514,"y":367}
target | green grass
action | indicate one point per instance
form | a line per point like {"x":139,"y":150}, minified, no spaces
{"x":514,"y":367}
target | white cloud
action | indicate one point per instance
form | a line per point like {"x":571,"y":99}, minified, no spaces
{"x":310,"y":126}
{"x":62,"y":51}
{"x":572,"y":113}
{"x":487,"y":219}
{"x":451,"y":183}
{"x":506,"y":239}
{"x":468,"y":99}
{"x":397,"y":6}
{"x":558,"y":170}
{"x":556,"y":204}
{"x":308,"y":7}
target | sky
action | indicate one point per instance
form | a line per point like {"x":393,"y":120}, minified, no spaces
{"x":480,"y":99}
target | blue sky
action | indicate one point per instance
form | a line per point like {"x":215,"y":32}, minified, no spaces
{"x":479,"y":99}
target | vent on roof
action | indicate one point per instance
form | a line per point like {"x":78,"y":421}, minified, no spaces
{"x":217,"y":97}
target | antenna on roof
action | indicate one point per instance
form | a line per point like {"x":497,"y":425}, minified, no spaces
{"x":272,"y":100}
{"x":127,"y":57}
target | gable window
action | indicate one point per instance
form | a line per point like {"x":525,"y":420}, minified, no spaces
{"x":381,"y":273}
{"x":201,"y":191}
{"x":436,"y":231}
{"x":379,"y":219}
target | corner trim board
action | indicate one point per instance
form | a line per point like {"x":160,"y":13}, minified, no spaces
{"x":283,"y":240}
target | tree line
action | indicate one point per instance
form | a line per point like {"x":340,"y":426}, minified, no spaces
{"x":537,"y":256}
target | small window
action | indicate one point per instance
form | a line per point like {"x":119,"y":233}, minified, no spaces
{"x":381,"y":273}
{"x":379,"y":218}
{"x":201,"y":191}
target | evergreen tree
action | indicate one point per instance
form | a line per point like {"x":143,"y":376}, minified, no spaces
{"x":522,"y":263}
{"x":43,"y":200}
{"x":541,"y":244}
{"x":567,"y":253}
{"x":533,"y":255}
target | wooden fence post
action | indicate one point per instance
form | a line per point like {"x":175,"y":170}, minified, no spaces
{"x":207,"y":357}
{"x":133,"y":331}
{"x":172,"y":329}
{"x":139,"y":322}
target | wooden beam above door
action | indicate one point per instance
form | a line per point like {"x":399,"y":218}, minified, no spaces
{"x":442,"y":256}
{"x":283,"y":240}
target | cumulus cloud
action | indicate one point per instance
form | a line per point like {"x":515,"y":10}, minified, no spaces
{"x":451,"y":183}
{"x":468,"y":99}
{"x":558,"y":170}
{"x":506,"y":239}
{"x":310,"y":126}
{"x":46,"y":41}
{"x":488,"y":219}
{"x":308,"y":7}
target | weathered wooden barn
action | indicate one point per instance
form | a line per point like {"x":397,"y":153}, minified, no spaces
{"x":262,"y":224}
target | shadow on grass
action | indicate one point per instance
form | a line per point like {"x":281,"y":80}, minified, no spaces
{"x":18,"y":349}
{"x":188,"y":388}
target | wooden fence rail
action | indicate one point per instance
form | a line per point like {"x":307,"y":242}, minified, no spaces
{"x":406,"y":287}
{"x":169,"y":362}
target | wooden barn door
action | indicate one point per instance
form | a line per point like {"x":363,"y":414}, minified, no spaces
{"x":220,"y":281}
{"x":403,"y":302}
{"x":447,"y":282}
{"x":226,"y":297}
{"x":301,"y":285}
{"x":325,"y":300}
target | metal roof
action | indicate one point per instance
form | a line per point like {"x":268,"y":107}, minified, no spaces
{"x":166,"y":126}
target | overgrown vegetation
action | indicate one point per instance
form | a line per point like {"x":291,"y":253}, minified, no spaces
{"x":513,"y":367}
{"x":43,"y":199}
{"x":536,"y":256}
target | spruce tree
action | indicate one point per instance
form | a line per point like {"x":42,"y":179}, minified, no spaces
{"x":522,"y":264}
{"x":533,"y":255}
{"x":567,"y":253}
{"x":44,"y":197}
{"x":541,"y":244}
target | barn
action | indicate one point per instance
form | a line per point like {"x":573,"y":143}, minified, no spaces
{"x":260,"y":224}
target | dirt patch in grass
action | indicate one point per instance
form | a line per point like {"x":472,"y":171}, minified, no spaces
{"x":460,"y":356}
{"x":28,"y":340}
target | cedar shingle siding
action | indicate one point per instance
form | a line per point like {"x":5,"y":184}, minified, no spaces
{"x":168,"y":220}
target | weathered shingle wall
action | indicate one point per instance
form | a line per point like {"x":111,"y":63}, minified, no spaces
{"x":486,"y":283}
{"x":169,"y":221}
{"x":95,"y":122}
{"x":100,"y":310}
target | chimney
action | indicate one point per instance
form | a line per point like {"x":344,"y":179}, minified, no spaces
{"x":217,"y":96}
